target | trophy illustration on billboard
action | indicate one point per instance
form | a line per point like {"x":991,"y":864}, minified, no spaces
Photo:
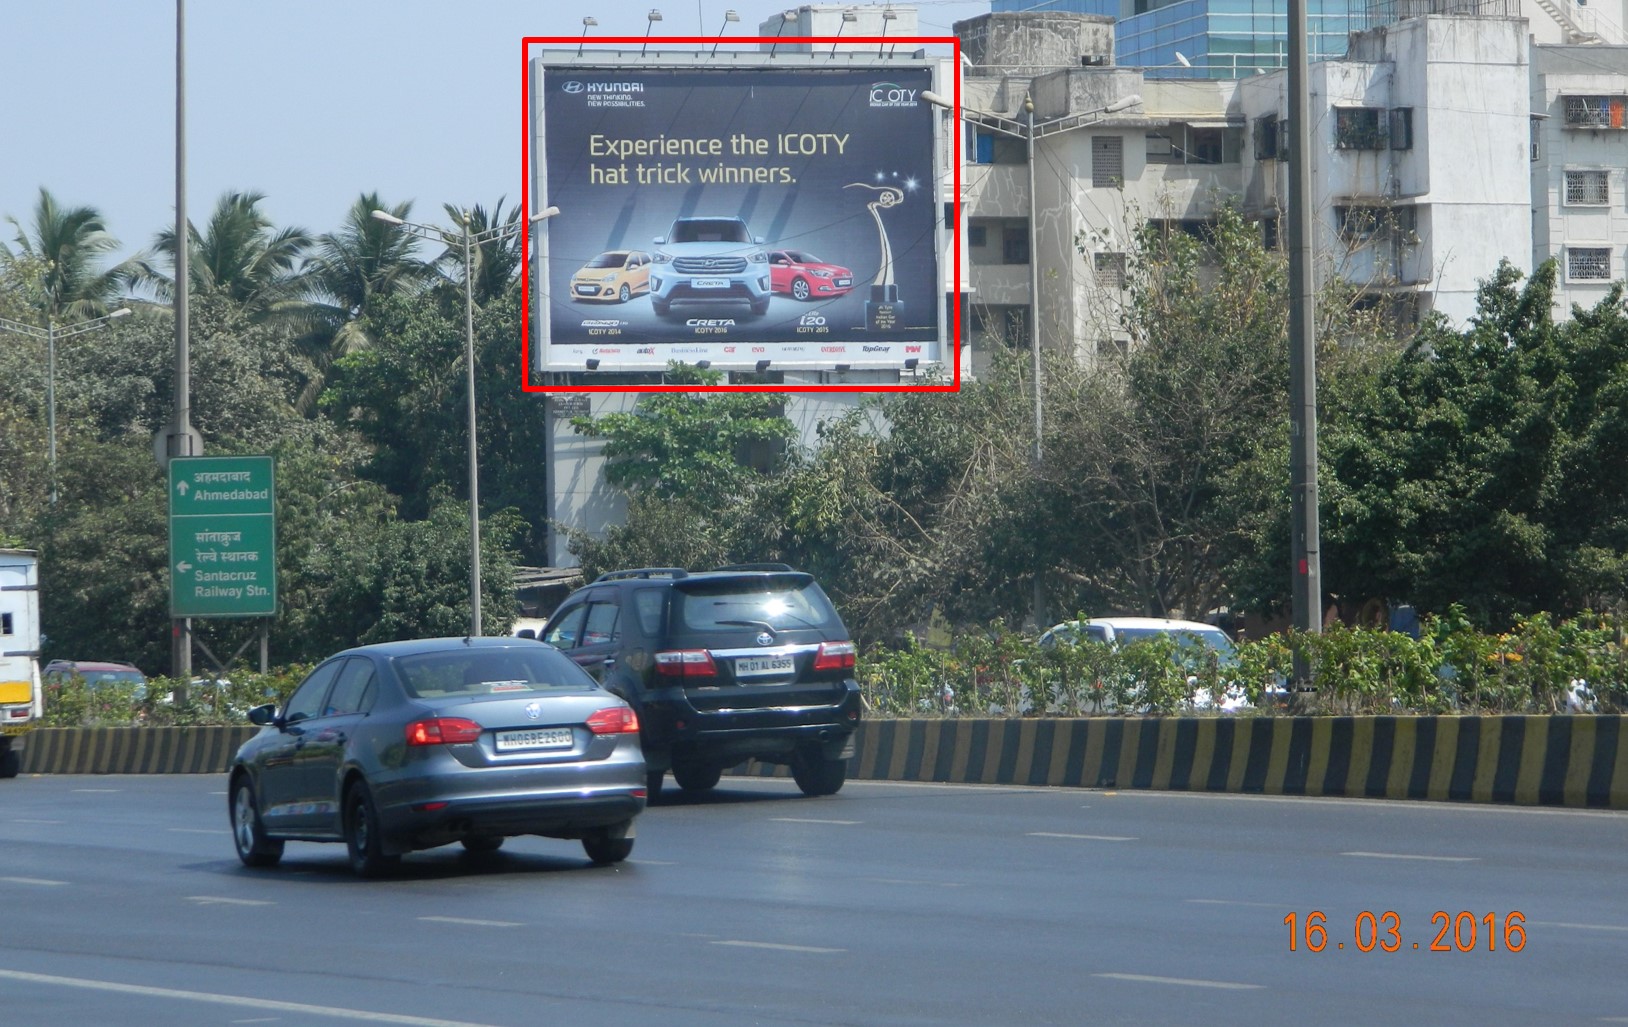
{"x":883,"y":311}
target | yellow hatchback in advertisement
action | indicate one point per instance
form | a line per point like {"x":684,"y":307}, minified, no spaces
{"x":614,"y":276}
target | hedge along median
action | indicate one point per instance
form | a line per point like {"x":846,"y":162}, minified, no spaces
{"x":1531,"y":760}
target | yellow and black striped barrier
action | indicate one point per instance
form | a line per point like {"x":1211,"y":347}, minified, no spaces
{"x":1579,"y":761}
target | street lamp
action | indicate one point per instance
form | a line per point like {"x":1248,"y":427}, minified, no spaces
{"x":729,"y":16}
{"x":467,"y":240}
{"x":650,"y":23}
{"x":586,"y":24}
{"x":1029,"y":131}
{"x":51,"y":333}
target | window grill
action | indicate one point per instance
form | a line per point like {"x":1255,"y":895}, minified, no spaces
{"x":1588,"y":263}
{"x":1588,"y":188}
{"x":1596,"y":112}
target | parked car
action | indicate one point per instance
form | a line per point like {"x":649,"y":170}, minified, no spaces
{"x":96,"y":675}
{"x":743,"y":662}
{"x":402,"y":746}
{"x":1191,"y":636}
{"x":803,"y":276}
{"x":614,"y":276}
{"x":709,"y":260}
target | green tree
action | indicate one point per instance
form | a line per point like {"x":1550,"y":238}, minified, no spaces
{"x":57,"y":259}
{"x":497,"y":260}
{"x":241,"y":256}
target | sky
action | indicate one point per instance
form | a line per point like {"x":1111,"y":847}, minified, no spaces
{"x":311,"y":102}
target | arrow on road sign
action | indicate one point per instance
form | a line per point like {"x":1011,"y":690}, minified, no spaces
{"x":181,"y":487}
{"x":184,"y":567}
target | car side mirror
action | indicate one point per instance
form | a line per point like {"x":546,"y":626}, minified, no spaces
{"x":659,"y":240}
{"x":526,"y":633}
{"x":758,"y":239}
{"x":263,"y":715}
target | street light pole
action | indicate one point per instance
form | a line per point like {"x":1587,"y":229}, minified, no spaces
{"x":51,"y":333}
{"x":1306,"y":590}
{"x":1030,"y":133}
{"x":468,"y":240}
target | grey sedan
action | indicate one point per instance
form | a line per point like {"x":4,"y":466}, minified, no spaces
{"x":410,"y":745}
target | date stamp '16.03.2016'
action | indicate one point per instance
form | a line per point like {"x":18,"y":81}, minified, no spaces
{"x":1449,"y":932}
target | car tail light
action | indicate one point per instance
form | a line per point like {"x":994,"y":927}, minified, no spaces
{"x":835,"y":656}
{"x":686,"y":663}
{"x":442,"y":731}
{"x":614,"y":720}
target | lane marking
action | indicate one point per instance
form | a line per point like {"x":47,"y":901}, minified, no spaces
{"x":468,"y":922}
{"x":335,"y":1012}
{"x":1235,"y":902}
{"x":653,"y":862}
{"x":1576,"y":927}
{"x":20,"y":820}
{"x":1403,"y":855}
{"x":216,"y":900}
{"x":924,"y":884}
{"x":198,"y":830}
{"x":777,"y":947}
{"x":1185,"y":982}
{"x":812,"y":820}
{"x":99,"y":791}
{"x":1082,"y":837}
{"x":1387,"y":805}
{"x":30,"y":880}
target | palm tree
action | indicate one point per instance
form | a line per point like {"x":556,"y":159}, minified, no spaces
{"x":59,"y":252}
{"x":496,"y":260}
{"x":238,"y":256}
{"x":365,"y":259}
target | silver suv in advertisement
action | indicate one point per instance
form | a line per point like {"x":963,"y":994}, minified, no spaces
{"x":709,"y":260}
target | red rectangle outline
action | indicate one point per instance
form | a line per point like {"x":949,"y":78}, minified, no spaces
{"x":957,"y":135}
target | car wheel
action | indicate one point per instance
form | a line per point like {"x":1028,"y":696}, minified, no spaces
{"x":652,"y":785}
{"x":660,"y":307}
{"x":799,"y":289}
{"x":816,"y":775}
{"x":697,"y":777}
{"x":609,"y":844}
{"x":11,"y":762}
{"x":363,"y":837}
{"x":482,"y":843}
{"x":248,"y":833}
{"x":625,"y":295}
{"x":760,"y":306}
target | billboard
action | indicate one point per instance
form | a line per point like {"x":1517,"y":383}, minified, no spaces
{"x":752,"y":212}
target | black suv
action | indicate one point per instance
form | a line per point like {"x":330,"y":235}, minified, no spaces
{"x":747,"y":661}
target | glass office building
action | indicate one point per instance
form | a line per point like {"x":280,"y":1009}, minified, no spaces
{"x":1217,"y":38}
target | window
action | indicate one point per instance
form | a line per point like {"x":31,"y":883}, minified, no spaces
{"x":995,"y":148}
{"x":1161,"y":148}
{"x":1107,"y":162}
{"x":1596,"y":111}
{"x":1207,"y":146}
{"x":1198,"y":228}
{"x":1015,"y":244}
{"x":998,"y":324}
{"x":567,"y":628}
{"x":1110,"y":268}
{"x":1266,"y":138}
{"x":1588,"y":188}
{"x":5,"y":624}
{"x":355,"y":689}
{"x":1358,"y":128}
{"x":976,"y":236}
{"x":307,"y":700}
{"x":1401,"y":128}
{"x":1588,"y":263}
{"x":1270,"y":232}
{"x":601,"y":626}
{"x":1357,"y":223}
{"x":650,"y":604}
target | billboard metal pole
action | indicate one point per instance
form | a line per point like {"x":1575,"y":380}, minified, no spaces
{"x":1306,"y":594}
{"x":181,"y":444}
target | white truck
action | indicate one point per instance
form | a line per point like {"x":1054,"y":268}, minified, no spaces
{"x":20,"y":706}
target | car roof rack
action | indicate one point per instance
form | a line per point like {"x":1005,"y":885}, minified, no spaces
{"x":643,"y":572}
{"x":781,"y":567}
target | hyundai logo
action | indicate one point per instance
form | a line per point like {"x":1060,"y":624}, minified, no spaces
{"x":764,"y":638}
{"x":572,"y":87}
{"x":533,"y":710}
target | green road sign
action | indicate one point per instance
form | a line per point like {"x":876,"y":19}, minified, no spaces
{"x":223,"y":537}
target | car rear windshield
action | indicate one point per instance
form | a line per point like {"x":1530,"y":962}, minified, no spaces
{"x":710,"y":230}
{"x":781,"y":602}
{"x":487,"y":672}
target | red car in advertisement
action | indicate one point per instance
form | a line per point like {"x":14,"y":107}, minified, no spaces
{"x":803,"y":276}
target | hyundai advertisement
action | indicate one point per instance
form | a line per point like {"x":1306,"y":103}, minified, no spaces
{"x":738,"y":215}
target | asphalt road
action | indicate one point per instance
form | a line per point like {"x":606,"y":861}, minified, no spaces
{"x":121,"y":902}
